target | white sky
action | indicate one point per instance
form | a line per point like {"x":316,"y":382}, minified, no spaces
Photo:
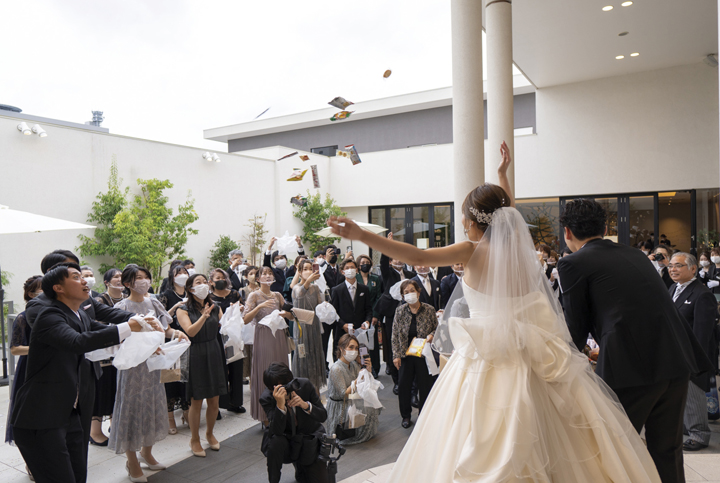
{"x":167,"y":69}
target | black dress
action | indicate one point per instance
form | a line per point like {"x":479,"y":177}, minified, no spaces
{"x":206,"y":362}
{"x":233,"y":371}
{"x":106,"y":386}
{"x":174,"y":391}
{"x":20,"y":336}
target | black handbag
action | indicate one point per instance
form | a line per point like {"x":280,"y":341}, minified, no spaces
{"x":340,"y":432}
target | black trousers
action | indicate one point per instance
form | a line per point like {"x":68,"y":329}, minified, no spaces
{"x":413,"y":369}
{"x":234,"y":397}
{"x":328,"y":329}
{"x":55,"y":455}
{"x":277,"y":453}
{"x":375,"y":353}
{"x":660,"y":408}
{"x":387,"y":348}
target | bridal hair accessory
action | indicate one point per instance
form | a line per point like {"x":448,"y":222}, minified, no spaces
{"x":481,"y":216}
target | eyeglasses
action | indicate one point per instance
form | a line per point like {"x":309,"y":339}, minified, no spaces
{"x":676,"y":265}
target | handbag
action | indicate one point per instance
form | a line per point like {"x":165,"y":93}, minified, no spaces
{"x":170,"y":375}
{"x":291,"y":342}
{"x":340,"y":432}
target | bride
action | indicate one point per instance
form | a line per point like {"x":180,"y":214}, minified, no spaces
{"x":516,"y":401}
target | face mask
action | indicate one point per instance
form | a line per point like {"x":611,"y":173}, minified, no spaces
{"x":411,"y":298}
{"x":191,"y":272}
{"x":715,"y":260}
{"x":307,"y":274}
{"x":251,"y":277}
{"x":423,"y":272}
{"x":141,"y":286}
{"x":220,"y":284}
{"x":116,"y":284}
{"x":551,"y":262}
{"x":459,"y":273}
{"x":704,"y":263}
{"x":281,"y":263}
{"x":267,"y":279}
{"x":350,"y":273}
{"x":365,"y":268}
{"x":201,"y":291}
{"x":90,"y":281}
{"x":320,"y":261}
{"x":181,"y":279}
{"x":333,"y":259}
{"x":350,"y":355}
{"x":397,"y":266}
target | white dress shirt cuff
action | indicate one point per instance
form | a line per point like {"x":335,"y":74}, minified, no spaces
{"x":309,"y":409}
{"x":124,"y":331}
{"x":282,"y":411}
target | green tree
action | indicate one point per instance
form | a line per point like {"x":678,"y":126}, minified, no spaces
{"x":5,"y":277}
{"x":256,"y":238}
{"x":220,"y":251}
{"x":147,"y":233}
{"x":103,"y":213}
{"x":314,"y":216}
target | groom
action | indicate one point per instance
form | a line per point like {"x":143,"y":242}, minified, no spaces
{"x":647,"y":351}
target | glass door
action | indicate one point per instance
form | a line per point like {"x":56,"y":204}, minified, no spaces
{"x":611,"y":207}
{"x":641,"y":219}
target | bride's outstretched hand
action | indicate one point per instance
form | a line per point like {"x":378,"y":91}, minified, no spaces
{"x":506,"y":160}
{"x":344,"y":227}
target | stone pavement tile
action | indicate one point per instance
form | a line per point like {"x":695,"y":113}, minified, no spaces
{"x":110,"y":471}
{"x":10,"y":455}
{"x":13,"y":475}
{"x":692,"y":475}
{"x":216,"y":465}
{"x":360,"y":477}
{"x":381,"y":469}
{"x":381,"y":477}
{"x":706,"y":465}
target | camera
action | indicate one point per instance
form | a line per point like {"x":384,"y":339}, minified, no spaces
{"x":337,"y":251}
{"x":292,"y":386}
{"x":325,"y":454}
{"x":659,"y":257}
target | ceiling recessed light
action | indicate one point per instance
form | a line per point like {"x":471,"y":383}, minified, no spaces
{"x":634,"y":54}
{"x":619,"y":57}
{"x":608,"y":8}
{"x":626,"y":4}
{"x":623,"y":34}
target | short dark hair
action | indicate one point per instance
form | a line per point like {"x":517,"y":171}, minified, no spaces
{"x":174,"y":271}
{"x":31,"y":286}
{"x":319,"y":253}
{"x":585,"y":218}
{"x":55,"y":257}
{"x":667,"y":249}
{"x":187,"y":262}
{"x":108,"y":276}
{"x":346,"y":261}
{"x":648,"y":245}
{"x":129,"y":274}
{"x":407,"y":282}
{"x":277,"y":373}
{"x":56,"y":275}
{"x":276,"y":254}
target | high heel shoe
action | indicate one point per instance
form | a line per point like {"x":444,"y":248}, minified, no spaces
{"x":172,"y":428}
{"x":214,"y":447}
{"x":184,"y":418}
{"x":139,"y":479}
{"x":156,"y":467}
{"x":200,"y":454}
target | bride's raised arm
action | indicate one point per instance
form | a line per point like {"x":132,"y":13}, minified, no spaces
{"x":503,"y":180}
{"x":432,"y":257}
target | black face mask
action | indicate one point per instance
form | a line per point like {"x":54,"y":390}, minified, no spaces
{"x":220,"y":284}
{"x":333,"y":259}
{"x":365,"y":268}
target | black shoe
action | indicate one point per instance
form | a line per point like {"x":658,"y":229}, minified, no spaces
{"x":375,"y":374}
{"x":396,"y":390}
{"x":406,"y":423}
{"x":246,"y":382}
{"x":690,"y":445}
{"x":236,"y":409}
{"x":95,"y":443}
{"x":415,"y":401}
{"x":219,"y":416}
{"x":387,"y":370}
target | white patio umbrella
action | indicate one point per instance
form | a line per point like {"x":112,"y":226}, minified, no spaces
{"x":377,"y":229}
{"x":14,"y":221}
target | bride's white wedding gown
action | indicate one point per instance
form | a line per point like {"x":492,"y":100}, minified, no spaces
{"x":518,"y":403}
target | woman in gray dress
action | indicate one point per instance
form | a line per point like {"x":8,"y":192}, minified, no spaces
{"x":140,"y":413}
{"x":200,"y":319}
{"x":308,"y":360}
{"x":267,"y":348}
{"x":340,"y":385}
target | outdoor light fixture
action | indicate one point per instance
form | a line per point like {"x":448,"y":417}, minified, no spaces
{"x":619,"y":57}
{"x":634,"y":54}
{"x":207,"y":156}
{"x":23,"y":128}
{"x":216,"y":158}
{"x":608,"y":8}
{"x":626,"y":4}
{"x":39,"y":131}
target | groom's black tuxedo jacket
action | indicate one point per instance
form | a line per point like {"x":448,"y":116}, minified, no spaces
{"x":57,"y":371}
{"x":613,"y":292}
{"x":94,"y":309}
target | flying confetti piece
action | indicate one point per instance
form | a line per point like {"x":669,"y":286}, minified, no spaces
{"x":288,"y":156}
{"x":387,"y":73}
{"x":297,"y":175}
{"x":341,"y":115}
{"x":305,"y":157}
{"x":316,"y":178}
{"x":350,"y":152}
{"x":340,"y":103}
{"x":266,"y":110}
{"x":299,"y":200}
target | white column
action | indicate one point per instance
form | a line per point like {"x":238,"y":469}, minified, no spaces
{"x":468,"y":110}
{"x":498,"y":25}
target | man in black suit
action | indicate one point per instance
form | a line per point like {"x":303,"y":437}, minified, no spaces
{"x":647,"y":351}
{"x":698,"y":307}
{"x":235,"y":269}
{"x":352,"y":303}
{"x":333,"y":274}
{"x":447,"y":284}
{"x":281,"y":268}
{"x":53,"y":409}
{"x":295,"y":425}
{"x":429,"y":287}
{"x":661,"y":258}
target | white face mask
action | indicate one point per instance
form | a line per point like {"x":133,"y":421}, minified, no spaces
{"x":90,"y":281}
{"x":350,"y":355}
{"x":704,"y":263}
{"x":715,"y":259}
{"x":201,"y":291}
{"x":459,"y":273}
{"x":141,"y":286}
{"x":281,"y":263}
{"x":191,"y":272}
{"x":411,"y":298}
{"x":350,"y":273}
{"x":267,"y":280}
{"x":181,"y":279}
{"x":116,"y":284}
{"x":424,"y":272}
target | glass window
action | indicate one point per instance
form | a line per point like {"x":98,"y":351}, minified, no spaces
{"x":675,"y":213}
{"x":708,"y":215}
{"x":443,"y":226}
{"x":541,"y":216}
{"x":377,"y":217}
{"x":421,"y":226}
{"x":611,"y":207}
{"x":642,"y":219}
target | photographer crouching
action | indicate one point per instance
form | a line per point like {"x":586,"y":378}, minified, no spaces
{"x":295,"y":414}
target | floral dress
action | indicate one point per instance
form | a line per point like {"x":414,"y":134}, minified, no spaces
{"x":308,"y":358}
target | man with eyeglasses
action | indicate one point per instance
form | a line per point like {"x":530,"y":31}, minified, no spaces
{"x":698,"y":307}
